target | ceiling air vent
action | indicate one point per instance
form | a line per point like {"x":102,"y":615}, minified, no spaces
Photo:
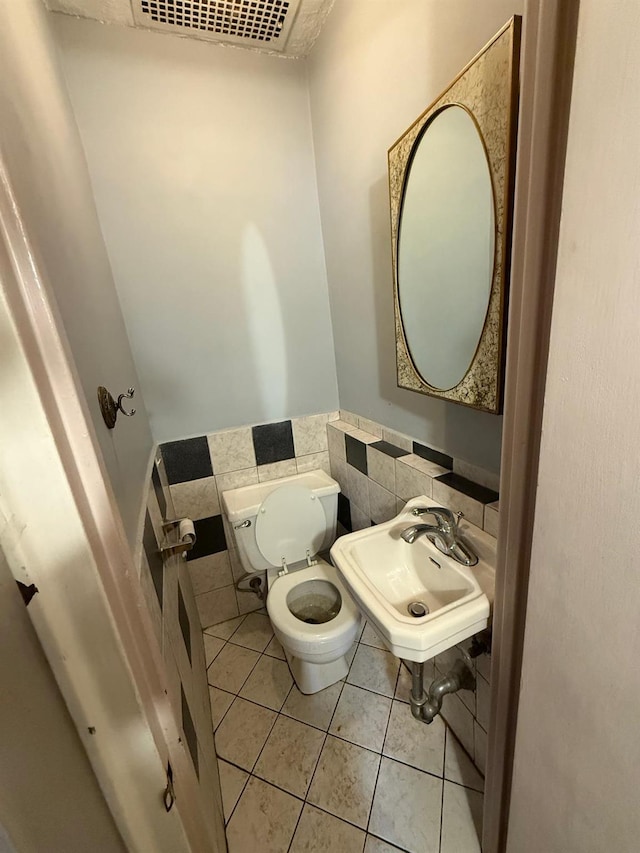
{"x":262,"y":23}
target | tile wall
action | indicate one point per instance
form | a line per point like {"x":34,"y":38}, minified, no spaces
{"x":200,"y":469}
{"x":379,"y":470}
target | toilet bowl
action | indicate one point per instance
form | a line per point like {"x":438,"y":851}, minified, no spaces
{"x":280,"y":527}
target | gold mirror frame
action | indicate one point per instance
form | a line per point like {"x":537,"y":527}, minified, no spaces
{"x":488,"y":89}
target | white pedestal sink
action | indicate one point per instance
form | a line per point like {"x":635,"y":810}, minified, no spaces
{"x":385,"y":575}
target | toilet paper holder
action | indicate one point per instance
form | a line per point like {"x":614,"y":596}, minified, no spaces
{"x":185,"y":530}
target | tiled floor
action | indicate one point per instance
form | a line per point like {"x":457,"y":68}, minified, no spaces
{"x":347,"y":769}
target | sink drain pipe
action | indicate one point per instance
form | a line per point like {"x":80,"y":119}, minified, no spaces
{"x":426,"y":706}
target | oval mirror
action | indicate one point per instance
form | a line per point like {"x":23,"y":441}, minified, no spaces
{"x":446,"y":247}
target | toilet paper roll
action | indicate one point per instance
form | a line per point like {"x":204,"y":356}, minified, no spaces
{"x":186,"y":531}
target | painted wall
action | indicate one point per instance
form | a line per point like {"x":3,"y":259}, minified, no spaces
{"x":375,"y":68}
{"x":577,"y":761}
{"x":43,"y":155}
{"x":202,"y":165}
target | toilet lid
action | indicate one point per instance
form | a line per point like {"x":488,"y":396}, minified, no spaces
{"x":290,"y":522}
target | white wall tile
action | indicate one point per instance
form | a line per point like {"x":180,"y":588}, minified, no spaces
{"x":275,"y":470}
{"x":382,"y":468}
{"x":359,"y":519}
{"x":231,"y":450}
{"x":335,"y":441}
{"x":364,"y":437}
{"x":196,"y":498}
{"x":480,"y":748}
{"x":210,"y":572}
{"x":483,"y":694}
{"x":358,"y":484}
{"x":382,"y":503}
{"x":410,"y":482}
{"x":338,"y":468}
{"x":460,"y":720}
{"x":397,"y":439}
{"x":248,"y":602}
{"x":309,"y":434}
{"x":483,"y":666}
{"x":458,"y":502}
{"x":313,"y":462}
{"x":217,"y":606}
{"x":236,"y":479}
{"x":432,"y":469}
{"x":477,"y":475}
{"x":348,"y":417}
{"x":492,"y":518}
{"x":370,"y":426}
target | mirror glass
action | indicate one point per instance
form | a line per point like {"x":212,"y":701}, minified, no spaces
{"x":446,"y":247}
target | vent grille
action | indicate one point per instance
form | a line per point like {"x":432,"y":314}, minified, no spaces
{"x":229,"y":20}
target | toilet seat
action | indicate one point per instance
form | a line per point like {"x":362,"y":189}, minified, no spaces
{"x":276,"y":537}
{"x":303,"y":638}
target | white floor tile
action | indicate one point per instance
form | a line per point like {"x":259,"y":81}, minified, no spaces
{"x":254,"y":633}
{"x":243,"y":732}
{"x":231,"y":668}
{"x":275,"y":650}
{"x":403,"y":687}
{"x":315,"y":708}
{"x":461,"y":820}
{"x":220,"y":703}
{"x":413,"y":742}
{"x":269,"y":683}
{"x":376,"y":845}
{"x":319,"y":832}
{"x":290,"y":755}
{"x":370,"y":637}
{"x":212,"y":645}
{"x":361,"y":717}
{"x":406,"y":808}
{"x":224,"y":629}
{"x":232,"y":781}
{"x":459,"y":720}
{"x":344,"y":781}
{"x":264,"y":820}
{"x":374,"y":669}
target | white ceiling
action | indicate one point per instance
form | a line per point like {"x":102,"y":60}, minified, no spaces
{"x":298,"y":37}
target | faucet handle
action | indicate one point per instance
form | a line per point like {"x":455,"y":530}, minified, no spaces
{"x":420,"y":510}
{"x":444,"y":516}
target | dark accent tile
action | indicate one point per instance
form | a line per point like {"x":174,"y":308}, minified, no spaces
{"x":389,"y":449}
{"x":154,"y":557}
{"x":185,"y":625}
{"x":344,"y":512}
{"x":273,"y":442}
{"x":210,"y":538}
{"x":187,"y":460}
{"x":157,"y":488}
{"x":433,"y":455}
{"x":189,"y":731}
{"x":356,"y":453}
{"x":468,"y":487}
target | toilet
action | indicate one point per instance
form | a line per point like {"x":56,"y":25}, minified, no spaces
{"x":281,"y":527}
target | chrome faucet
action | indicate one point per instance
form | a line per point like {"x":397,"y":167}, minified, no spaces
{"x":444,"y":534}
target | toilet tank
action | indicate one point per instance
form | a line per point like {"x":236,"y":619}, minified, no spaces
{"x":242,"y":505}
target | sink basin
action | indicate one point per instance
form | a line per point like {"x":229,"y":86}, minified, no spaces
{"x":385,"y":575}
